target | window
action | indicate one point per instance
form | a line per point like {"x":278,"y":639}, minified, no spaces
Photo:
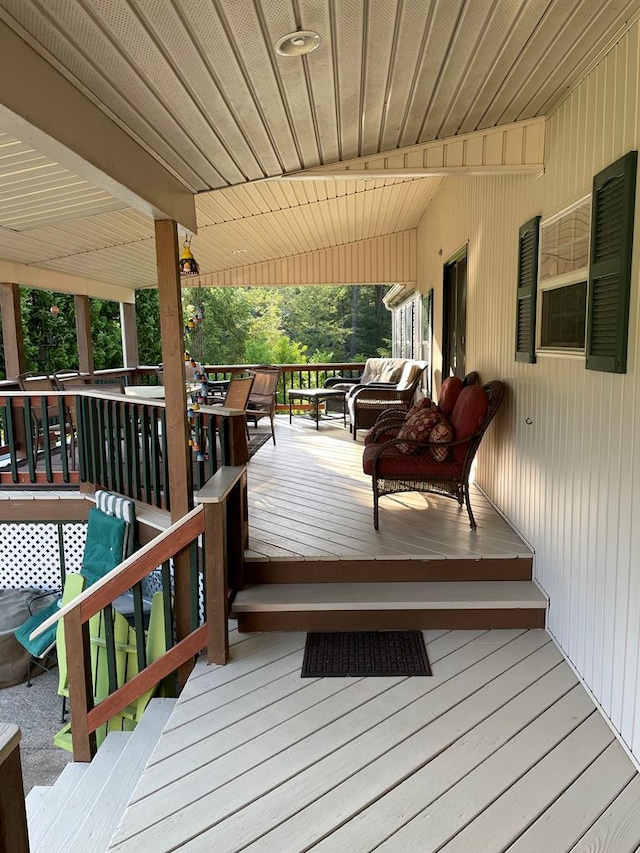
{"x":564,"y":317}
{"x":564,"y":272}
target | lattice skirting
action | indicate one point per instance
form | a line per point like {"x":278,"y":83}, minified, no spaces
{"x":444,"y":488}
{"x":30,"y":553}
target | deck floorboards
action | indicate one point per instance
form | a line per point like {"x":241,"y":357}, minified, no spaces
{"x":501,"y":750}
{"x":309,"y":499}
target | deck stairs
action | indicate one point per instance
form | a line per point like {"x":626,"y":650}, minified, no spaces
{"x":81,"y":811}
{"x":390,"y":594}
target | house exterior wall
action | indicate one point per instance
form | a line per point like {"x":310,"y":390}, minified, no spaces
{"x":561,"y":459}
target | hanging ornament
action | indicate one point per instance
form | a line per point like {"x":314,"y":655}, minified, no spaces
{"x":188,"y":264}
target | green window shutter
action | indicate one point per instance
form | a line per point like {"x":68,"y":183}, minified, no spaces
{"x":529,"y":237}
{"x":613,"y":204}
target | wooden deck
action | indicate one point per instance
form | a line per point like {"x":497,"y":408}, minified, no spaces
{"x":501,"y":750}
{"x":309,"y":499}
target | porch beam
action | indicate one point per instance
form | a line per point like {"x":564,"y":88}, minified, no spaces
{"x":42,"y":278}
{"x":129,"y":331}
{"x":179,"y":452}
{"x":381,"y":260}
{"x":12,"y":333}
{"x":47,"y":111}
{"x":511,"y":149}
{"x":83,"y":334}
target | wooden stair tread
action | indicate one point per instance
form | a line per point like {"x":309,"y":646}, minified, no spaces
{"x":390,"y":596}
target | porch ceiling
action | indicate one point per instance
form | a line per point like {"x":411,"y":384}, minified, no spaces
{"x":200,"y":87}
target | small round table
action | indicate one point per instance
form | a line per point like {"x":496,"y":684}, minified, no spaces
{"x":317,"y":396}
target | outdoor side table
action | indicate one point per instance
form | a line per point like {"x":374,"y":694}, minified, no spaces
{"x":317,"y":396}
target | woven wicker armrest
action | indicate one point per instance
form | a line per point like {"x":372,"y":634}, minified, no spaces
{"x":339,"y":380}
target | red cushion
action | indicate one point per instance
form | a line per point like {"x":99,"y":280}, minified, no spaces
{"x":418,"y":428}
{"x":469,"y":412}
{"x":449,"y":393}
{"x":396,"y":465}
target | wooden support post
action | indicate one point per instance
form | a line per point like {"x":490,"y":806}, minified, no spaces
{"x":233,"y":439}
{"x":14,"y":360}
{"x":178,"y":450}
{"x":83,"y":334}
{"x":12,"y":337}
{"x":78,"y":646}
{"x":216,"y":582}
{"x":225,"y":533}
{"x":129,"y":330}
{"x":13,"y":820}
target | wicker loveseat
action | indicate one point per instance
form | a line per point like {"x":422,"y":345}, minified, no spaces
{"x":402,"y":464}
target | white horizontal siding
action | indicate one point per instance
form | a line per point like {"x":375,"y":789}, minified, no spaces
{"x":560,"y":460}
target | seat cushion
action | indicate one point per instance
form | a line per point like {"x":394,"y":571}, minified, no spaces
{"x":394,"y":465}
{"x":449,"y":393}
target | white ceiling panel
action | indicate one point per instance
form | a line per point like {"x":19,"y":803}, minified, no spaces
{"x":200,"y":85}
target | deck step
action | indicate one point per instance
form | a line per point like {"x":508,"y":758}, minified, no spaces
{"x":35,"y":799}
{"x":69,"y":820}
{"x":66,"y":787}
{"x":353,"y":606}
{"x":102,"y":818}
{"x":515,"y":567}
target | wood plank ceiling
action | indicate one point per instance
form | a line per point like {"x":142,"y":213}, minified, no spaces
{"x":201,"y":87}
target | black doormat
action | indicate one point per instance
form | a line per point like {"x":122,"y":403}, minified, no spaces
{"x":257,"y":441}
{"x":361,"y":653}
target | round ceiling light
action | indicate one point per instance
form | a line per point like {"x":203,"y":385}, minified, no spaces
{"x":297,"y":44}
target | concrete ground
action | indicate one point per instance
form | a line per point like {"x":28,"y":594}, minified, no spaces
{"x":36,"y":710}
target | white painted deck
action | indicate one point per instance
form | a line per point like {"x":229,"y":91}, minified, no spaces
{"x":501,"y":750}
{"x":309,"y":499}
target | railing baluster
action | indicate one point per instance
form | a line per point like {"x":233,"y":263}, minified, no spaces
{"x":138,"y":622}
{"x":110,"y":644}
{"x":155,"y":458}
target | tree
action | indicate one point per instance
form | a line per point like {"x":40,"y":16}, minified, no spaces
{"x":148,"y":326}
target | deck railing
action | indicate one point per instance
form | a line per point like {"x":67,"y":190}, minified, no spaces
{"x":214,"y":534}
{"x":292,"y":375}
{"x":121,"y":442}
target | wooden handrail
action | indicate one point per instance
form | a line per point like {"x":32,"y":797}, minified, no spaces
{"x":131,"y":570}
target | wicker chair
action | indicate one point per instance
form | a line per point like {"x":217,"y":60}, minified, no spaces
{"x":366,"y":402}
{"x":418,"y":470}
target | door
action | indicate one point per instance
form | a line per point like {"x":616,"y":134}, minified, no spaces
{"x":455,"y":317}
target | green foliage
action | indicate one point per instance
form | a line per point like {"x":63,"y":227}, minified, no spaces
{"x":256,"y":325}
{"x":105,"y":334}
{"x":148,"y":326}
{"x":49,"y":340}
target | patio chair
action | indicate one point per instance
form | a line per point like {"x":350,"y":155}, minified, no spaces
{"x":366,"y":402}
{"x":126,"y":667}
{"x":262,"y":399}
{"x":237,"y":395}
{"x":410,"y":462}
{"x":109,"y":540}
{"x":57,"y":420}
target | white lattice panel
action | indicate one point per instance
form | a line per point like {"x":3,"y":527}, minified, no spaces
{"x":30,"y":554}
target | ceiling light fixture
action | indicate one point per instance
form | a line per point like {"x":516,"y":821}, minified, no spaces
{"x":297,"y":44}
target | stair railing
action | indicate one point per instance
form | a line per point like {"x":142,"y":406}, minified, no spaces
{"x":220,"y":524}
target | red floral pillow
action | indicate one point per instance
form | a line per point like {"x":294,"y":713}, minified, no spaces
{"x":440,"y":434}
{"x":418,"y":428}
{"x":425,"y":403}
